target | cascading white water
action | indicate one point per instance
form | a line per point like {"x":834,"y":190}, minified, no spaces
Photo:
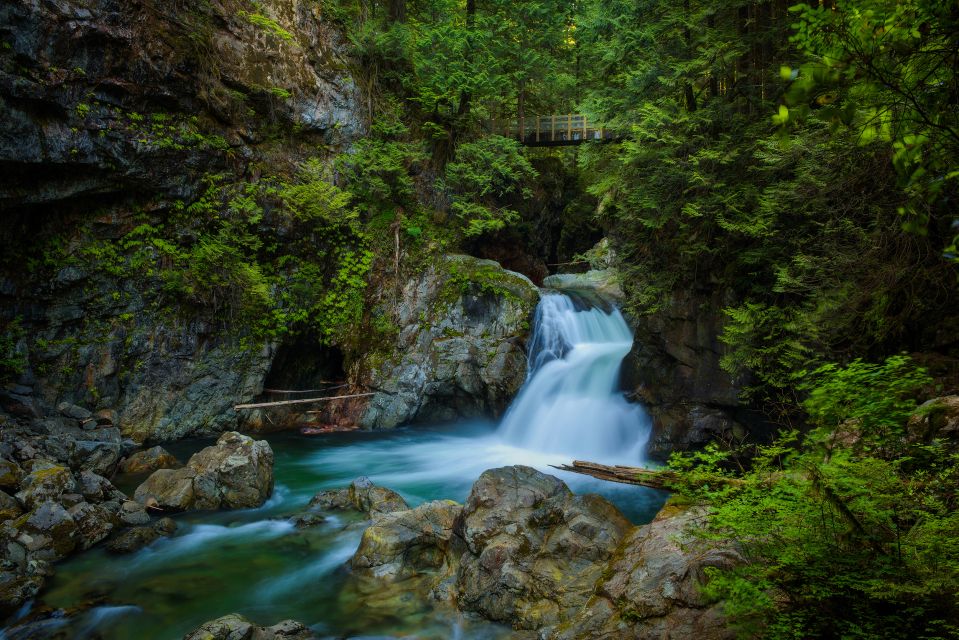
{"x":570,"y":403}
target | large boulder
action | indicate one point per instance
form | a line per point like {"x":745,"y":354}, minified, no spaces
{"x":527,"y":552}
{"x":651,"y":589}
{"x":407,"y":543}
{"x":459,"y":351}
{"x":150,"y":459}
{"x":235,"y":473}
{"x":536,"y":550}
{"x":236,"y":627}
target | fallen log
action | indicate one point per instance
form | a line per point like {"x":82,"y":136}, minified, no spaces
{"x":257,"y":405}
{"x":663,"y":479}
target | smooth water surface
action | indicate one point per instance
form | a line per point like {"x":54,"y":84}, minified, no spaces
{"x":256,"y":563}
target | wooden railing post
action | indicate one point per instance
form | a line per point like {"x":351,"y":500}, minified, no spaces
{"x":569,"y":127}
{"x":552,"y":128}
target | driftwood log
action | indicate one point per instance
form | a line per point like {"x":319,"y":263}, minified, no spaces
{"x":283,"y":403}
{"x":654,"y":478}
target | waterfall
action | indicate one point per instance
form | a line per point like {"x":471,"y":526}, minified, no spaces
{"x":570,"y":403}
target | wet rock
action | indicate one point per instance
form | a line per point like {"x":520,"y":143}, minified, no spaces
{"x":235,"y":473}
{"x":97,"y":449}
{"x":651,"y":588}
{"x":96,"y":488}
{"x":16,"y":589}
{"x":603,"y":281}
{"x":9,"y":507}
{"x":136,"y":538}
{"x":536,"y":551}
{"x":48,"y":531}
{"x":149,"y":460}
{"x":94,"y":523}
{"x":363,"y":496}
{"x":133,"y":513}
{"x":10,"y":474}
{"x":236,"y":627}
{"x":45,"y":482}
{"x":460,"y":347}
{"x":73,"y":411}
{"x":307,"y":520}
{"x":407,"y":543}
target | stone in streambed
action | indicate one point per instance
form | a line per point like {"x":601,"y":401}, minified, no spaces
{"x":136,"y":538}
{"x":235,"y":473}
{"x":236,"y":627}
{"x":406,"y":543}
{"x":307,"y":520}
{"x":363,"y":496}
{"x":149,"y":460}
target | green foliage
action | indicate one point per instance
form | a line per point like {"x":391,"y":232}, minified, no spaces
{"x":267,"y":24}
{"x":850,"y":532}
{"x":219,"y":256}
{"x":482,"y":174}
{"x":12,"y":358}
{"x":886,"y":71}
{"x":379,"y":168}
{"x":877,"y":398}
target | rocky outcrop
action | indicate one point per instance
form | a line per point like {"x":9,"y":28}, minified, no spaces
{"x":236,"y":627}
{"x":151,"y":459}
{"x":674,"y":370}
{"x":535,"y":549}
{"x":651,"y":589}
{"x":459,"y":352}
{"x":50,"y":507}
{"x":236,"y":473}
{"x":525,"y":551}
{"x":114,"y":115}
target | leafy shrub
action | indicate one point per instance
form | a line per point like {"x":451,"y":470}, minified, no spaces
{"x":483,"y":173}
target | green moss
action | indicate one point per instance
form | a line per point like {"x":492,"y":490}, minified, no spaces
{"x":267,"y":24}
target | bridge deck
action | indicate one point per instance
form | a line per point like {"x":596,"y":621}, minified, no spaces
{"x":551,"y":131}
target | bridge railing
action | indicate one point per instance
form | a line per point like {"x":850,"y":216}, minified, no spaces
{"x":551,"y":130}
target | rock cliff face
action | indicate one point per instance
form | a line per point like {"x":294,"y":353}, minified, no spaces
{"x":460,"y":349}
{"x":113,"y":112}
{"x":674,"y":371}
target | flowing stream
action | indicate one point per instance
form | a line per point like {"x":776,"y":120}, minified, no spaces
{"x":254,"y":562}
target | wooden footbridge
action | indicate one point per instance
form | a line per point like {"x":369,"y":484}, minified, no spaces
{"x":552,"y":131}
